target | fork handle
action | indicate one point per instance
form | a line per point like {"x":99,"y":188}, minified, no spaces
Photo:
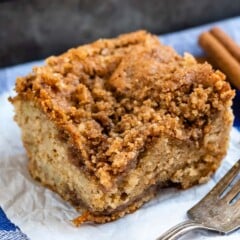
{"x":181,"y":229}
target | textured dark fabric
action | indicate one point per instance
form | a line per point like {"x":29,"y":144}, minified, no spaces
{"x":236,"y":110}
{"x":5,"y":224}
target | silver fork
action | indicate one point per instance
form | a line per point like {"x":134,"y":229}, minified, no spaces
{"x":218,"y":211}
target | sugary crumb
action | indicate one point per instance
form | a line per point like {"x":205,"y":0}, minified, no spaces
{"x":113,"y":97}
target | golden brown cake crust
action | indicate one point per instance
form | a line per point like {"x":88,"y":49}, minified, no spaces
{"x":112,"y":98}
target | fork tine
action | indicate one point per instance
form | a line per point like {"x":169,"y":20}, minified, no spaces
{"x":232,"y":192}
{"x":237,"y":204}
{"x":227,"y":179}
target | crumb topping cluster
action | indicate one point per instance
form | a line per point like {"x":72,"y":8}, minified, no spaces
{"x":112,"y":98}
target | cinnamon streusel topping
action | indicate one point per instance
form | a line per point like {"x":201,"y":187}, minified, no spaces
{"x":112,"y":98}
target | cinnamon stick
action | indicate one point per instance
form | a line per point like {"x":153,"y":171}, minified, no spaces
{"x":227,"y":42}
{"x":225,"y":61}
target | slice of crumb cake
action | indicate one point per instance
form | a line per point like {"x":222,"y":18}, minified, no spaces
{"x":107,"y":124}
